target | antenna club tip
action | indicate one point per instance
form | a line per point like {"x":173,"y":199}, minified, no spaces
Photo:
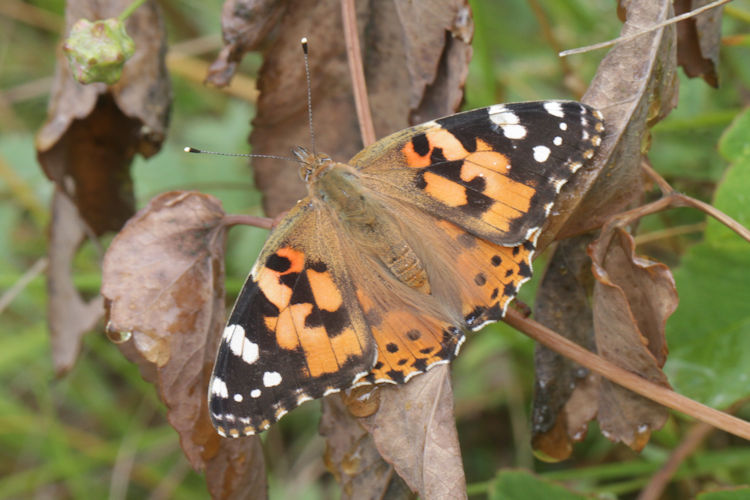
{"x":303,"y":41}
{"x":188,"y":149}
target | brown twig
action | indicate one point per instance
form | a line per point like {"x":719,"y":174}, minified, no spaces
{"x":670,"y":232}
{"x":354,"y":54}
{"x":248,"y":220}
{"x":660,"y":480}
{"x":660,"y":181}
{"x":629,"y":380}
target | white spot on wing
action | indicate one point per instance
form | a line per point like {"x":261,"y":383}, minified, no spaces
{"x":514,"y":131}
{"x":554,"y":108}
{"x":563,"y":126}
{"x":557,"y":141}
{"x":255,"y":393}
{"x":238,"y":397}
{"x":240,"y":345}
{"x":219,"y":388}
{"x":541,"y":153}
{"x":271,"y":379}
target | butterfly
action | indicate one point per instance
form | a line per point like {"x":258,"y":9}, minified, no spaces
{"x":378,"y":274}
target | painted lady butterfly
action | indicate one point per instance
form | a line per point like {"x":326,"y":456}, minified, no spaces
{"x":380,"y":271}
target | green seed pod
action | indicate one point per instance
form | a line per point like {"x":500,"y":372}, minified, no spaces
{"x":97,"y":51}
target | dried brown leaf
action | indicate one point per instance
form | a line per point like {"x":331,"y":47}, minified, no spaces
{"x":70,"y":316}
{"x":244,"y":25}
{"x":93,"y":131}
{"x":633,"y":298}
{"x":410,"y":78}
{"x":698,"y":40}
{"x":562,"y":304}
{"x":415,"y":430}
{"x":353,"y":459}
{"x":163,"y":282}
{"x":634,"y":87}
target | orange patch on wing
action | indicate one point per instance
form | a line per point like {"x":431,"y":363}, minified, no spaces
{"x":452,"y":147}
{"x":414,"y":159}
{"x":493,"y":167}
{"x":314,"y":341}
{"x":277,"y":293}
{"x":286,"y":334}
{"x":327,"y":295}
{"x":346,"y":344}
{"x":296,"y":259}
{"x":445,"y":190}
{"x":269,"y":282}
{"x":437,"y":138}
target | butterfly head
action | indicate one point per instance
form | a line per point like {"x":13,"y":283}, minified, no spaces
{"x":311,"y":164}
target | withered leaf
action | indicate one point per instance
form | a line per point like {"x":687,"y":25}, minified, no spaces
{"x":415,"y":430}
{"x":70,"y":316}
{"x":353,"y":459}
{"x":633,"y":298}
{"x":410,"y":77}
{"x":163,"y":282}
{"x":244,"y":25}
{"x":562,"y":304}
{"x":699,"y":40}
{"x":634,"y":87}
{"x":93,"y":131}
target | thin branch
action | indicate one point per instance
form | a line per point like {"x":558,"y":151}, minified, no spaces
{"x":629,"y":380}
{"x":686,"y":201}
{"x":695,"y":436}
{"x":35,"y":270}
{"x":660,"y":181}
{"x":354,"y":54}
{"x":248,"y":220}
{"x":655,"y":27}
{"x":669,"y":232}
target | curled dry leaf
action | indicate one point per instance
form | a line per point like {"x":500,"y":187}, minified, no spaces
{"x":633,"y":297}
{"x":244,"y":25}
{"x":413,"y":73}
{"x":415,"y":430}
{"x":698,"y":40}
{"x":353,"y":459}
{"x":163,"y":282}
{"x":70,"y":315}
{"x":563,"y":403}
{"x":93,"y":131}
{"x":634,"y":87}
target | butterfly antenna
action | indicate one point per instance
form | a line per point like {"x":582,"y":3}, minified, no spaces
{"x":189,"y":149}
{"x":309,"y":94}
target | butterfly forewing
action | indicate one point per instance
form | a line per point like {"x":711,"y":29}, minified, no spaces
{"x":296,"y":332}
{"x":494,"y":171}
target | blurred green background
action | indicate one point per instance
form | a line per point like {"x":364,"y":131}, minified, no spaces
{"x":100,"y":431}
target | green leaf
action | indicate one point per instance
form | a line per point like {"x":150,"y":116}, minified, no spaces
{"x":709,"y":334}
{"x":521,"y":485}
{"x":741,"y":493}
{"x":735,"y":140}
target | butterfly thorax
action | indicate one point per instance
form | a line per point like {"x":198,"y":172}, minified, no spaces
{"x":369,"y":225}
